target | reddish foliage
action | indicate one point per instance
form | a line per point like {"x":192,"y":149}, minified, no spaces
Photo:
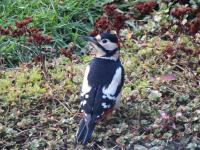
{"x":39,"y":39}
{"x":146,"y":7}
{"x":119,"y":21}
{"x":66,"y":53}
{"x":32,"y":30}
{"x":169,"y":50}
{"x":4,"y":31}
{"x":102,"y":23}
{"x":38,"y":58}
{"x":111,"y":20}
{"x":19,"y":32}
{"x":181,"y":47}
{"x":33,"y":34}
{"x":179,"y":12}
{"x":198,"y":17}
{"x":109,"y":9}
{"x":94,"y":32}
{"x":23,"y":23}
{"x":195,"y":25}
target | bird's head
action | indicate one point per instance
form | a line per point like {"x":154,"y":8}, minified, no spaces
{"x":104,"y":45}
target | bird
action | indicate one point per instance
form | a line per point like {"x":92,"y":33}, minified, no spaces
{"x":102,"y":83}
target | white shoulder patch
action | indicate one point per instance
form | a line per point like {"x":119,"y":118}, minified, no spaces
{"x":104,"y":105}
{"x":112,"y":88}
{"x":86,"y":87}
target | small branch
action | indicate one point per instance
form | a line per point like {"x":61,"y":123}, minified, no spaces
{"x":63,"y":105}
{"x":22,"y":132}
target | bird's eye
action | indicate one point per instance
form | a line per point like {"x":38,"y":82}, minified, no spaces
{"x":104,"y":41}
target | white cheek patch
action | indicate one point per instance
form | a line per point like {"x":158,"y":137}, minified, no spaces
{"x":86,"y":87}
{"x":109,"y":45}
{"x":112,"y":88}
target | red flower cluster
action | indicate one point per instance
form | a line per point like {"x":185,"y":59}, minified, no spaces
{"x":109,"y":9}
{"x":180,"y":12}
{"x":18,"y":32}
{"x":119,"y":21}
{"x":111,"y":20}
{"x":33,"y":34}
{"x":23,"y":23}
{"x":146,"y":7}
{"x":39,"y":39}
{"x":102,"y":23}
{"x":32,"y":30}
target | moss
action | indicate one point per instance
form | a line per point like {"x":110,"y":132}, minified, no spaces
{"x":146,"y":52}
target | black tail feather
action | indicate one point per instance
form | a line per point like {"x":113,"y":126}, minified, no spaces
{"x":81,"y":131}
{"x":85,"y":132}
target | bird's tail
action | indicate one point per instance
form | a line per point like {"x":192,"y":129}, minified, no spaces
{"x":85,"y":131}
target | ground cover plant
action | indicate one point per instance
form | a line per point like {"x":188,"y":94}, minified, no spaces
{"x":42,"y":69}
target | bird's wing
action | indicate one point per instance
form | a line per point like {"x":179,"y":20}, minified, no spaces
{"x":98,"y":99}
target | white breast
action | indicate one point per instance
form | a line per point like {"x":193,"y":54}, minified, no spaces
{"x":86,"y":87}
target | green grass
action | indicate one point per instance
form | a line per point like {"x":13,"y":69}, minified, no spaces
{"x":64,"y":20}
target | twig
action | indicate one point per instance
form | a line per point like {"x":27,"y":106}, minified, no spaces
{"x":63,"y":105}
{"x":22,"y":132}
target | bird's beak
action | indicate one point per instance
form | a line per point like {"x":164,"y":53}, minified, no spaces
{"x":89,"y":38}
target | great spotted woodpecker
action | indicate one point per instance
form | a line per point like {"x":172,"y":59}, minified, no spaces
{"x":102,"y":83}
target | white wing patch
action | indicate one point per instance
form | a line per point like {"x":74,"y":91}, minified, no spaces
{"x":86,"y":96}
{"x":83,"y":103}
{"x":112,"y":88}
{"x":86,"y":87}
{"x":105,"y":106}
{"x":104,"y":96}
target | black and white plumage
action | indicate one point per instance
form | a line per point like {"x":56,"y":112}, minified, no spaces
{"x":102,"y":84}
